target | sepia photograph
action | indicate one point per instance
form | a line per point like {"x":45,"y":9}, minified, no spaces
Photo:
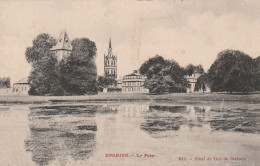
{"x":129,"y":83}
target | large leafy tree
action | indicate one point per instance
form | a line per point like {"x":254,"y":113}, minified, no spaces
{"x":44,"y":75}
{"x":232,"y":71}
{"x":74,"y":75}
{"x":78,"y":71}
{"x":190,"y":69}
{"x":163,"y":75}
{"x":202,"y":82}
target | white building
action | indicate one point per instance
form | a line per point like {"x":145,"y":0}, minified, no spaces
{"x":63,"y":47}
{"x":133,"y":83}
{"x":21,"y":87}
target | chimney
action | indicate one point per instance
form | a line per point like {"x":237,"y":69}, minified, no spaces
{"x":136,"y":71}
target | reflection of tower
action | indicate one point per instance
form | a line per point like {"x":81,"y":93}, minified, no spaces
{"x":110,"y":63}
{"x":63,"y":47}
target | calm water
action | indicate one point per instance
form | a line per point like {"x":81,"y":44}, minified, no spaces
{"x":91,"y":134}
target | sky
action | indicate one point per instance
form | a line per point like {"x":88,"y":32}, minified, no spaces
{"x":187,"y":31}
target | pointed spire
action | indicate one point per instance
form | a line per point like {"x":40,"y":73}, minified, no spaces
{"x":110,"y":46}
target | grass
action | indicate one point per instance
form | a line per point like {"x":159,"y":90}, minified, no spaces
{"x":119,"y":97}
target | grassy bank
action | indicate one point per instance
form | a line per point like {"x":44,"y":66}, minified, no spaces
{"x":119,"y":97}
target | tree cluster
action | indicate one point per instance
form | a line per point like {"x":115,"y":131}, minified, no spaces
{"x":233,"y":71}
{"x":191,"y":69}
{"x":163,"y":76}
{"x":104,"y":82}
{"x":74,"y":75}
{"x":5,"y":82}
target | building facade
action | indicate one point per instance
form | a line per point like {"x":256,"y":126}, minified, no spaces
{"x":110,"y":63}
{"x":63,"y":47}
{"x":21,"y":87}
{"x":133,"y":83}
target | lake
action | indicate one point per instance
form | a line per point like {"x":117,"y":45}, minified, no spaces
{"x":130,"y":133}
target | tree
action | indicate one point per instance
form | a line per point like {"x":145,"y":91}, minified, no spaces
{"x":44,"y":78}
{"x":201,"y":83}
{"x":74,"y":75}
{"x":5,"y":82}
{"x":78,"y":71}
{"x":257,"y":72}
{"x":232,"y":71}
{"x":44,"y":75}
{"x":104,"y":82}
{"x":163,"y":75}
{"x":41,"y":47}
{"x":191,"y":69}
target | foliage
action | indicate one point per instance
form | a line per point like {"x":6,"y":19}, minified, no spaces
{"x":104,"y":81}
{"x":78,"y":71}
{"x":201,"y":83}
{"x":75,"y":75}
{"x":5,"y":82}
{"x":41,"y":47}
{"x":191,"y":69}
{"x":44,"y":78}
{"x":232,"y":71}
{"x":257,"y":72}
{"x":163,"y":84}
{"x":112,"y":89}
{"x":163,"y":75}
{"x":44,"y":75}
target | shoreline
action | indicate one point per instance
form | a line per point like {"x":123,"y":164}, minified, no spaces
{"x":253,"y":98}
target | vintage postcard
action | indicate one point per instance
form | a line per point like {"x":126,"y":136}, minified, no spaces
{"x":129,"y":83}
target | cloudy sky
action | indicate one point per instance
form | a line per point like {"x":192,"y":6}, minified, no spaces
{"x":188,"y":31}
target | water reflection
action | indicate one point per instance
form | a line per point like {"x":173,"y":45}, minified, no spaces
{"x":61,"y":131}
{"x":83,"y":134}
{"x":166,"y":118}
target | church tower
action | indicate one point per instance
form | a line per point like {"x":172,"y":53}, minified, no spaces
{"x":110,"y":63}
{"x":63,"y":47}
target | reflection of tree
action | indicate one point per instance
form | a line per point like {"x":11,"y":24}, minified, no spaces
{"x":55,"y":136}
{"x":163,"y":118}
{"x":42,"y":145}
{"x":79,"y":145}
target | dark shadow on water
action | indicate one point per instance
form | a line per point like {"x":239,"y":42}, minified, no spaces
{"x":172,"y":109}
{"x":87,"y":127}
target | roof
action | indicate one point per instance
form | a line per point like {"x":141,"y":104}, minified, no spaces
{"x":134,"y":74}
{"x":22,"y":81}
{"x":195,"y":75}
{"x":63,"y":42}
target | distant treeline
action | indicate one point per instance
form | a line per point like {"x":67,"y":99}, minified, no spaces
{"x":5,"y":82}
{"x":232,"y":71}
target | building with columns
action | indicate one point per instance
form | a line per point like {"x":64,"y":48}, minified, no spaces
{"x":63,"y":47}
{"x":110,"y":63}
{"x":133,"y":83}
